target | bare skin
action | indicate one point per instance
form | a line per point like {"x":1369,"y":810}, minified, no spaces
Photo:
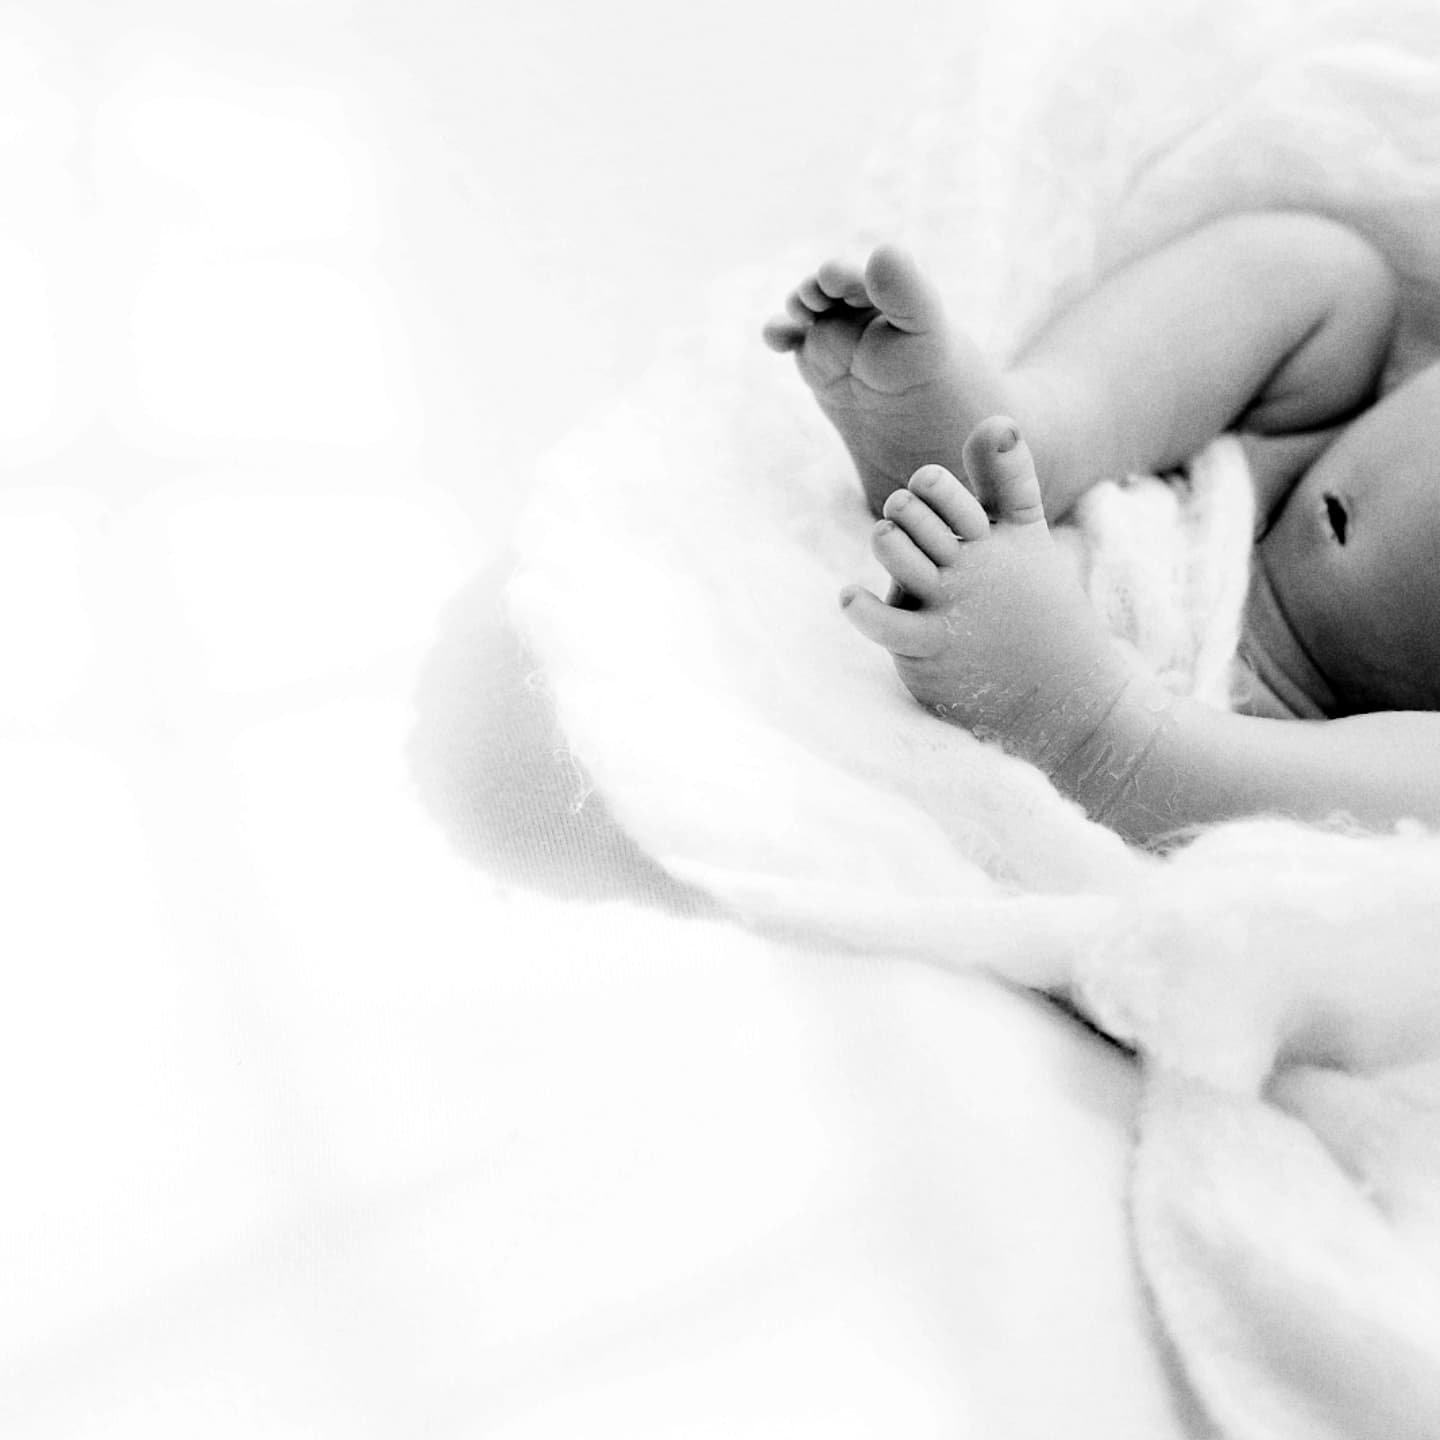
{"x":901,"y":386}
{"x":979,"y":581}
{"x":987,"y":625}
{"x":992,"y":633}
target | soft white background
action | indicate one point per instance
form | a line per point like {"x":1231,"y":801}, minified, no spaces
{"x":604,"y":162}
{"x":311,"y":1125}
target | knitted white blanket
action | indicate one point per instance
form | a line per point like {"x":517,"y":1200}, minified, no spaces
{"x":1282,"y":985}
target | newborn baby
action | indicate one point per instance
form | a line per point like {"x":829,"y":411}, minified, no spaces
{"x":1278,"y":326}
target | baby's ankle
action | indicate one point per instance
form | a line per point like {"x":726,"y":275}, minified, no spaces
{"x":1102,"y":756}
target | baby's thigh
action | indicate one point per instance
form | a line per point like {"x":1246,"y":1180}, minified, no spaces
{"x":1335,"y":371}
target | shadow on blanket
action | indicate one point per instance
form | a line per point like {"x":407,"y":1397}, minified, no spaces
{"x":1281,"y":984}
{"x":491,"y":765}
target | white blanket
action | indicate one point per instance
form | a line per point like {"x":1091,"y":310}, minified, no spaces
{"x":681,"y":566}
{"x":1166,"y":561}
{"x":319,"y":1121}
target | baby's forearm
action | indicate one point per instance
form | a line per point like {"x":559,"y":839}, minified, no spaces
{"x":1153,"y":769}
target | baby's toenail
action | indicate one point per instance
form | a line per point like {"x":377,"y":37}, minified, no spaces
{"x":900,"y":498}
{"x":1008,"y":440}
{"x":884,"y":527}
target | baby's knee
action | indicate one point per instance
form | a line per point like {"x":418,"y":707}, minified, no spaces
{"x":1364,"y":284}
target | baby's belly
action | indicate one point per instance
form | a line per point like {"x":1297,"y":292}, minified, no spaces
{"x":1277,"y":464}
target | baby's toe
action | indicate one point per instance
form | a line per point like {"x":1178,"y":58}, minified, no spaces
{"x":901,"y":632}
{"x":782,"y":333}
{"x":902,"y":293}
{"x":812,"y":296}
{"x":929,"y":532}
{"x":913,"y":571}
{"x":845,"y":282}
{"x":951,"y":501}
{"x":999,"y":463}
{"x":797,"y":309}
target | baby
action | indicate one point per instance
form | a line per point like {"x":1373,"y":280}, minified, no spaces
{"x":1277,"y":326}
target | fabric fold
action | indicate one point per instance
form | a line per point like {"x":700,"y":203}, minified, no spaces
{"x":1280,"y":983}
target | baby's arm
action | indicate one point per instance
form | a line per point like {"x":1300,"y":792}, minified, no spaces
{"x":1275,"y":323}
{"x":988,"y":629}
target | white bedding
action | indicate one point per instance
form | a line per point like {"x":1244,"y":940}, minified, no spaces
{"x":325,"y":1116}
{"x":681,"y":559}
{"x":322,"y":1118}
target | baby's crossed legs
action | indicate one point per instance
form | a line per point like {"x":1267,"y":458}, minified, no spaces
{"x":1278,"y":324}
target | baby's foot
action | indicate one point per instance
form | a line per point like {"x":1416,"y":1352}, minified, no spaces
{"x":900,"y":386}
{"x":985,"y":621}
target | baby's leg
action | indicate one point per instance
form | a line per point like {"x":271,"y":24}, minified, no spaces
{"x":986,"y":624}
{"x":1277,"y":323}
{"x":988,"y":629}
{"x":901,"y":385}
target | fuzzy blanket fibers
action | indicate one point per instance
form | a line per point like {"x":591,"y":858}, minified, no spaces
{"x":1281,"y":984}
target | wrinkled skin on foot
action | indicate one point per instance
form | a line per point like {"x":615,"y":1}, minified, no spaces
{"x":899,"y":384}
{"x":985,"y":621}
